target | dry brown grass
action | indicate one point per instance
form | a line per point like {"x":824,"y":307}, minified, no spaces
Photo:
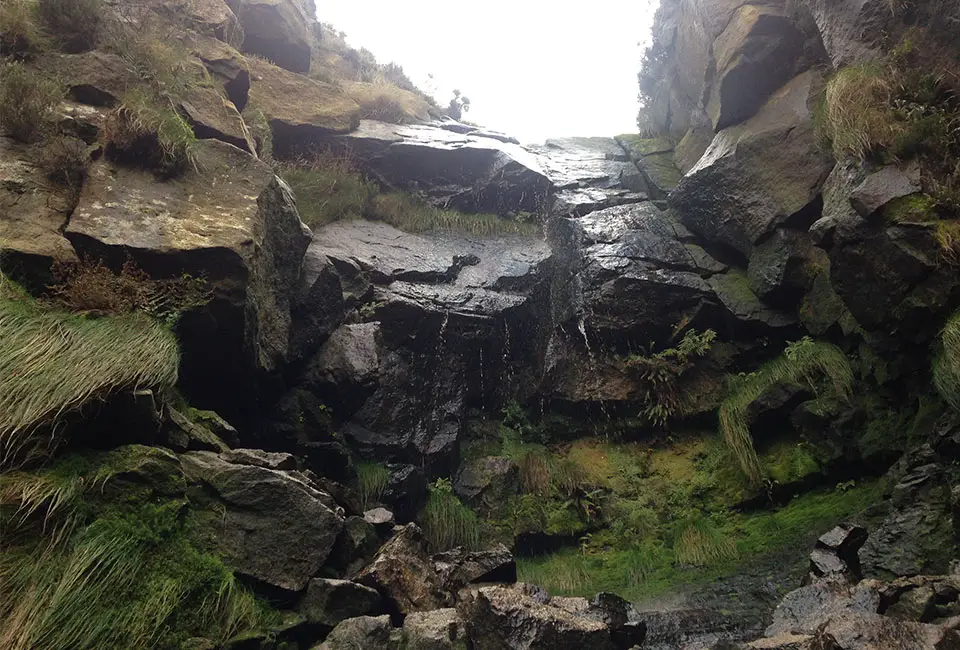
{"x":20,"y":35}
{"x":90,"y":286}
{"x":858,"y":115}
{"x":28,"y":100}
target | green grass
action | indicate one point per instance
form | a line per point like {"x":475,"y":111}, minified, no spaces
{"x":148,"y":131}
{"x":328,"y":188}
{"x":331,"y":188}
{"x":803,"y":361}
{"x":372,"y":480}
{"x":446,"y":522}
{"x":28,"y":100}
{"x":80,"y":571}
{"x":53,"y":363}
{"x":946,"y":363}
{"x":407,"y":213}
{"x":654,"y":566}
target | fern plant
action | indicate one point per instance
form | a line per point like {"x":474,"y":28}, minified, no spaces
{"x":805,"y":360}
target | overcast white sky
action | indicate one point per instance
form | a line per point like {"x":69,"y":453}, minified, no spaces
{"x":532,"y":68}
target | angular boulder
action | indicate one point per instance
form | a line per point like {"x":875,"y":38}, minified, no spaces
{"x":366,"y":632}
{"x":460,"y":567}
{"x":272,"y":525}
{"x":465,"y":172}
{"x":279,"y":30}
{"x":883,"y":186}
{"x":404,"y":574}
{"x":441,"y":629}
{"x":235,"y":224}
{"x":487,"y":482}
{"x":300,"y":110}
{"x":757,"y":175}
{"x":755,"y":54}
{"x":328,"y":601}
{"x":522,"y":617}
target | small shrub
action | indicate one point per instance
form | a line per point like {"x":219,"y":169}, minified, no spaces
{"x":146,"y":130}
{"x":662,"y":371}
{"x":65,"y":159}
{"x":383,"y":109}
{"x":446,"y":522}
{"x":90,"y":286}
{"x":75,"y":23}
{"x":803,"y":360}
{"x":19,"y":33}
{"x":27,"y":102}
{"x":372,"y":481}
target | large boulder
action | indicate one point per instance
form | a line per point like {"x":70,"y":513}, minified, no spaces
{"x":758,"y":175}
{"x":852,"y":30}
{"x":300,"y":110}
{"x":465,"y":172}
{"x":632,"y":269}
{"x":404,"y":574}
{"x":230,"y":221}
{"x":366,"y":632}
{"x":441,"y":629}
{"x":487,"y":482}
{"x":524,"y":617}
{"x":279,"y":30}
{"x":271,"y":525}
{"x":460,"y":567}
{"x":655,"y":159}
{"x":755,"y":54}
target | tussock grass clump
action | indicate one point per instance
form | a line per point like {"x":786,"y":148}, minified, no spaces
{"x":53,"y":363}
{"x":857,"y":114}
{"x":27,"y":102}
{"x":372,"y":481}
{"x":384,"y":109}
{"x":946,"y":363}
{"x":147,"y":130}
{"x":20,"y":34}
{"x":446,"y":522}
{"x":328,"y":188}
{"x":804,"y":360}
{"x":698,"y":542}
{"x":408,"y":213}
{"x":535,"y":474}
{"x":75,"y":23}
{"x":82,"y":573}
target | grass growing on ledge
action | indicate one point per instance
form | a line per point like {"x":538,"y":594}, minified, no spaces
{"x":331,"y":188}
{"x":82,"y":572}
{"x":52,"y":363}
{"x":446,"y":522}
{"x":652,"y":566}
{"x":804,"y":360}
{"x":946,"y":363}
{"x":372,"y":480}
